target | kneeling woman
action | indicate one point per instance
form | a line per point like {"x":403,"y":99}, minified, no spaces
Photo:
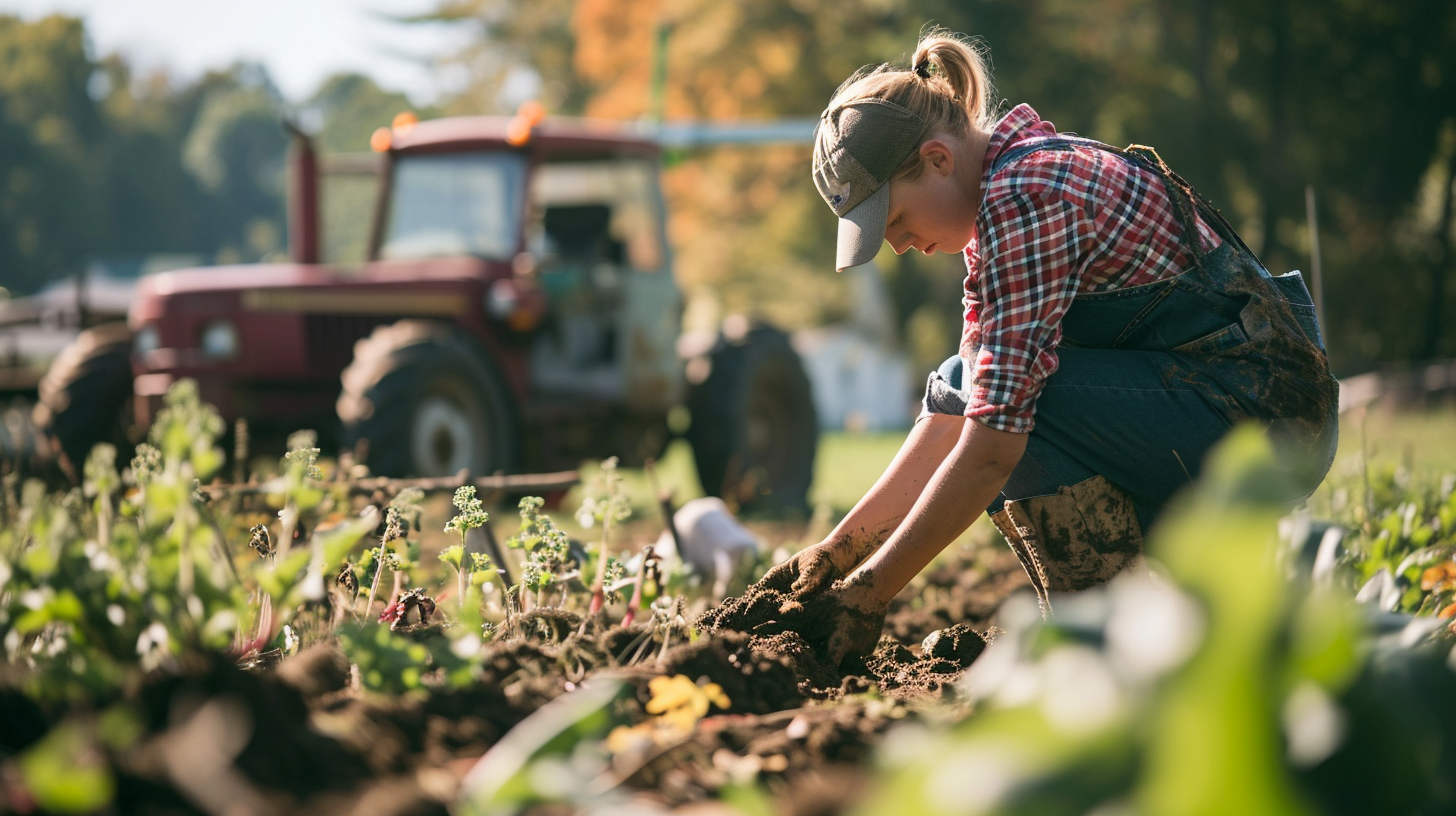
{"x":1115,"y":329}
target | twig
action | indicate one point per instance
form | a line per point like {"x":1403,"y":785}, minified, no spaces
{"x":664,"y":504}
{"x":667,"y":632}
{"x":542,"y":482}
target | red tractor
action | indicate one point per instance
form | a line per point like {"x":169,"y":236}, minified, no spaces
{"x":516,"y":311}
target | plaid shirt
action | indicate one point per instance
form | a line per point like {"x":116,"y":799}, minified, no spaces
{"x":1053,"y":224}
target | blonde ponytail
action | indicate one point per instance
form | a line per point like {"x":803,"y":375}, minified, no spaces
{"x":947,"y":84}
{"x":955,"y":67}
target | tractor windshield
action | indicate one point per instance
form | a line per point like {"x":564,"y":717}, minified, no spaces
{"x":455,"y":204}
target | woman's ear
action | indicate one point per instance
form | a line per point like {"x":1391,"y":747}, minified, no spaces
{"x":938,"y":155}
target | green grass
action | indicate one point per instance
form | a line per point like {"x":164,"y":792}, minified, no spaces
{"x":1421,"y":440}
{"x":846,"y":467}
{"x":1419,"y":444}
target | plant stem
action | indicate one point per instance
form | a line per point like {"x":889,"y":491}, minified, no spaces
{"x":598,"y":591}
{"x":636,"y":602}
{"x":103,"y":520}
{"x":374,"y":585}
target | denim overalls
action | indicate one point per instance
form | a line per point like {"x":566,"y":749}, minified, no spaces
{"x":1150,"y":378}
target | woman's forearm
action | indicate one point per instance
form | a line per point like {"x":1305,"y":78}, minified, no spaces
{"x":886,"y":504}
{"x":959,"y":490}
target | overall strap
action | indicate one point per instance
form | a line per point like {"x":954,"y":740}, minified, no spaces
{"x":1181,"y":195}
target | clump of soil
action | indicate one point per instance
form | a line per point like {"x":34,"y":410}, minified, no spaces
{"x":967,"y":589}
{"x":798,"y":626}
{"x":755,"y":680}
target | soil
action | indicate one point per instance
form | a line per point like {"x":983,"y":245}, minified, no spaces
{"x":297,"y":736}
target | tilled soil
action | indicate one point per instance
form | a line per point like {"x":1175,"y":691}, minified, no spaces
{"x":299,"y":737}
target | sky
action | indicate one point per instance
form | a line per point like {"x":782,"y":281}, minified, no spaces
{"x":301,"y":42}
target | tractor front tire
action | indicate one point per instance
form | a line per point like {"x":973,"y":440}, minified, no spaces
{"x":86,"y":397}
{"x":427,"y":402}
{"x":754,"y":430}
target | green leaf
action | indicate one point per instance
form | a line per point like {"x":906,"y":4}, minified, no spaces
{"x":65,"y":773}
{"x":452,"y":555}
{"x":502,"y":782}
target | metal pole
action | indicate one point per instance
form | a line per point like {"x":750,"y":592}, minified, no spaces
{"x":658,"y":102}
{"x":1316,"y":282}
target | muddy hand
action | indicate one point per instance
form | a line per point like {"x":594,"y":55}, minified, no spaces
{"x":815,"y":567}
{"x":859,"y":620}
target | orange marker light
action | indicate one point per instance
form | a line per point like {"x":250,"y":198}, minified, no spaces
{"x":518,"y":132}
{"x":381,"y":140}
{"x":532,"y":111}
{"x":404,"y":122}
{"x":528,"y":115}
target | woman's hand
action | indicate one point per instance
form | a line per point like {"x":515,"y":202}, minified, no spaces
{"x":816,"y":566}
{"x":860,"y":616}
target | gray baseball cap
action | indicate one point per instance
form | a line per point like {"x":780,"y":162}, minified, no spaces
{"x":857,"y":146}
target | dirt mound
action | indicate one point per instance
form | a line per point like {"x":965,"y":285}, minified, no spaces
{"x":798,"y":627}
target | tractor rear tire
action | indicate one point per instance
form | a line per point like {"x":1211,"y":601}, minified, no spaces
{"x":86,"y":398}
{"x":754,"y":430}
{"x":429,"y":402}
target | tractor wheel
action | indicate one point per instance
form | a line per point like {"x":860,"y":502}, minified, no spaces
{"x":754,"y":429}
{"x":428,"y":402}
{"x":86,"y":397}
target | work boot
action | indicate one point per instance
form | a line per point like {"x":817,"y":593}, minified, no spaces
{"x":1081,"y":536}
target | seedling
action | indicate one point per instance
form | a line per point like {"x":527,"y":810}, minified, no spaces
{"x":301,"y":476}
{"x":395,"y":525}
{"x":101,"y":482}
{"x":548,"y":551}
{"x":471,"y":516}
{"x":608,"y":506}
{"x":648,"y":569}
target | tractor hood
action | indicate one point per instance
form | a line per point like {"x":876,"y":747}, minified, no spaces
{"x":221,"y":289}
{"x":233,"y":278}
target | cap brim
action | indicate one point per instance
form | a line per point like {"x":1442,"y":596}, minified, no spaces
{"x":862,"y":230}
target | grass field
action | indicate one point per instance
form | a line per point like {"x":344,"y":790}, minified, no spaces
{"x":1419,"y":441}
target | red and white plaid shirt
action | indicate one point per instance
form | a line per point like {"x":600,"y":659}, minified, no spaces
{"x":1053,"y":224}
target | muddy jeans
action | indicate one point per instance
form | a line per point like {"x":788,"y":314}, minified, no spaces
{"x":1152,"y":376}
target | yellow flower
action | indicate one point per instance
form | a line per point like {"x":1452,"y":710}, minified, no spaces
{"x":680,"y":703}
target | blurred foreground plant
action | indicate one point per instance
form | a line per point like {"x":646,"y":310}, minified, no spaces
{"x":1219,"y":687}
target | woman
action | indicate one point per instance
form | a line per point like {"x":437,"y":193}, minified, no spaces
{"x":1115,"y":328}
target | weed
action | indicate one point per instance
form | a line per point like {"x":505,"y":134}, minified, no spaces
{"x":471,"y":516}
{"x":548,"y":558}
{"x":606,"y":505}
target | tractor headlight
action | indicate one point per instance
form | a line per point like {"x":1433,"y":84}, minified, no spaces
{"x":219,"y":339}
{"x":147,"y":340}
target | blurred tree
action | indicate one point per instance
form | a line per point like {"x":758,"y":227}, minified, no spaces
{"x":235,"y":149}
{"x":151,"y":201}
{"x":48,"y":127}
{"x":522,"y":51}
{"x":349,"y":107}
{"x":47,"y":82}
{"x":1354,"y":99}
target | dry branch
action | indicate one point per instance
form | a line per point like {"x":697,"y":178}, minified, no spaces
{"x":369,"y":486}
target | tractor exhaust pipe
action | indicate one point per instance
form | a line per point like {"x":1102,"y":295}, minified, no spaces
{"x":303,"y":196}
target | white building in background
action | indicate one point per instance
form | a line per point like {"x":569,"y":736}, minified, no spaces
{"x":860,"y":375}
